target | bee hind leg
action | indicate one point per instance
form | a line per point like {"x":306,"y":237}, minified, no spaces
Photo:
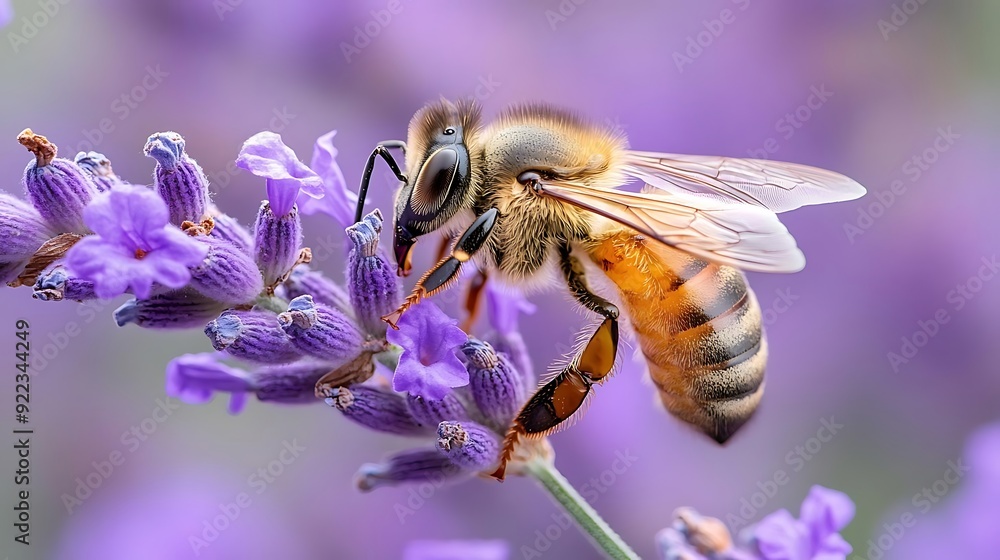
{"x":445,"y":272}
{"x":560,"y":398}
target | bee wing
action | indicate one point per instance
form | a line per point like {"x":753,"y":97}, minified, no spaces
{"x":775,"y":185}
{"x":743,"y":236}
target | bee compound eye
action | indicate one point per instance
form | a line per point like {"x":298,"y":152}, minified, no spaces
{"x":449,"y":131}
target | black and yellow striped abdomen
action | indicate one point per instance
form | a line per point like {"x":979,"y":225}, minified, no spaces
{"x":698,"y":325}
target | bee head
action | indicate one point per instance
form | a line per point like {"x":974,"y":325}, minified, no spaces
{"x":439,"y":170}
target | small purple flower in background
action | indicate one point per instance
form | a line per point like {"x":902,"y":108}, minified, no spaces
{"x":779,"y":536}
{"x":504,"y":306}
{"x":135,"y":246}
{"x":6,"y":13}
{"x":194,"y":379}
{"x":338,"y":201}
{"x":265,"y":155}
{"x":457,"y":550}
{"x":428,"y":366}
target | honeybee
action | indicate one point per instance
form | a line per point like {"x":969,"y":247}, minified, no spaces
{"x":538,"y":189}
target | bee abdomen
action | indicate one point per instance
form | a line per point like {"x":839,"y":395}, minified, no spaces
{"x":699,"y":328}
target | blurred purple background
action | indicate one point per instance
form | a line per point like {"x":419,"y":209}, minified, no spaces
{"x":881,"y":94}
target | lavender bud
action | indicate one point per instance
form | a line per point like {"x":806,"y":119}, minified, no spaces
{"x":512,"y":345}
{"x":320,"y":331}
{"x":292,"y":383}
{"x":56,"y":187}
{"x":431,"y":412}
{"x":414,"y":465}
{"x":252,"y":336}
{"x":371,"y":279}
{"x":496,"y":386}
{"x":179,"y":179}
{"x":304,"y":281}
{"x":181,"y":309}
{"x":468,"y":444}
{"x":228,"y":228}
{"x":23,"y":231}
{"x":375,"y":408}
{"x":276,"y":242}
{"x":98,"y":167}
{"x":55,"y":284}
{"x":227,"y":274}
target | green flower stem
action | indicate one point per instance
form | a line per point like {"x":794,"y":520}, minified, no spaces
{"x":602,"y":535}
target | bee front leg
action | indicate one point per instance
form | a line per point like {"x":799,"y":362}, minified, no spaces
{"x":559,"y":399}
{"x":445,"y":272}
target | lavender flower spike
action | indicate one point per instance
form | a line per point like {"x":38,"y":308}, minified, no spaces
{"x":321,"y":331}
{"x":23,"y":231}
{"x":375,"y":408}
{"x":226,"y":274}
{"x":276,"y":243}
{"x":371,"y":279}
{"x":135,"y":246}
{"x":56,"y":187}
{"x":178,"y":178}
{"x":194,"y":378}
{"x":468,"y":444}
{"x":496,"y":385}
{"x":180,"y":309}
{"x":98,"y":167}
{"x":251,"y":335}
{"x":414,"y":465}
{"x":428,"y":366}
{"x":55,"y":284}
{"x":265,"y":155}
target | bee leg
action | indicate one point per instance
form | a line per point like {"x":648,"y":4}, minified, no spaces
{"x":381,"y":150}
{"x":445,"y":272}
{"x":561,"y":397}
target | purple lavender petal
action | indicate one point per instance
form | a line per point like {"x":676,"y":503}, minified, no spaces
{"x":826,"y":512}
{"x":253,"y":336}
{"x":414,"y":465}
{"x":428,"y":366}
{"x":265,"y":155}
{"x":227,"y":274}
{"x":134,"y":247}
{"x":505,"y":304}
{"x":194,"y":379}
{"x":376,"y":408}
{"x":469,"y":445}
{"x":276,"y":242}
{"x":372,"y":282}
{"x":179,"y":179}
{"x":338,"y":201}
